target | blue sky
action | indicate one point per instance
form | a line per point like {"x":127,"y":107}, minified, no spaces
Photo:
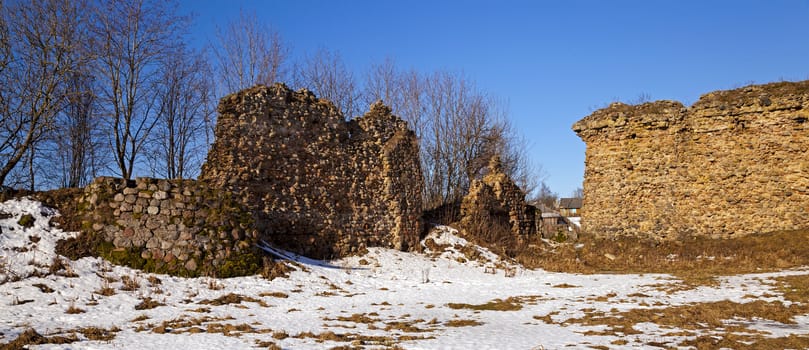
{"x":554,"y":62}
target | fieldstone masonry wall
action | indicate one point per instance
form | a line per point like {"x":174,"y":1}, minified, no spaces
{"x":734,"y":163}
{"x":317,"y":184}
{"x":174,"y":226}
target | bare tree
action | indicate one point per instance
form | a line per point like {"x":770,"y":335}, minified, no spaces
{"x":577,"y":193}
{"x":546,"y":197}
{"x":38,"y":43}
{"x":75,"y":143}
{"x":326,"y":75}
{"x":463,"y":135}
{"x":459,"y":128}
{"x":383,"y":82}
{"x":183,"y":101}
{"x":134,"y":39}
{"x":248,"y":53}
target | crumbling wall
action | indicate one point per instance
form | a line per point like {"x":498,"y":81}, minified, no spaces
{"x":734,"y":163}
{"x":496,"y":203}
{"x":317,"y":184}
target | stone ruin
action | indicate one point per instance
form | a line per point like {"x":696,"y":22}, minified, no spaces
{"x":495,"y":207}
{"x":318,"y":185}
{"x":285,"y":167}
{"x":734,"y":163}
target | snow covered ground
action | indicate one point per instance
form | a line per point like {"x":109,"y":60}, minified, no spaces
{"x":436,"y":300}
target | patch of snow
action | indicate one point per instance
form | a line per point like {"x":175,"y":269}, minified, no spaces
{"x":404,"y":298}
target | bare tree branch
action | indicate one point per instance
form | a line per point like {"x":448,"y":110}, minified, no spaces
{"x":134,"y":38}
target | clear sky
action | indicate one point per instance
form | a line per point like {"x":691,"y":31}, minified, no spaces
{"x":554,"y":62}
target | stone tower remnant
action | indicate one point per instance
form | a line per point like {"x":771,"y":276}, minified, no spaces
{"x":734,"y":163}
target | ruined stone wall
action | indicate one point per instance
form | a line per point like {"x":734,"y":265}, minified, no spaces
{"x":734,"y":163}
{"x":495,"y":200}
{"x":317,"y":184}
{"x":172,"y":226}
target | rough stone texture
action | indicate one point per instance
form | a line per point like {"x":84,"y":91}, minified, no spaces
{"x":317,"y":184}
{"x":497,"y":200}
{"x":734,"y":163}
{"x":174,"y":225}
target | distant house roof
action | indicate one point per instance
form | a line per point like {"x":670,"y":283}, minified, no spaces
{"x":570,"y":203}
{"x":551,"y":215}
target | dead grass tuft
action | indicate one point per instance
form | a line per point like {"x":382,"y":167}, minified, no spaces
{"x":275,"y":269}
{"x":142,"y":317}
{"x":129,"y":284}
{"x":232,"y":298}
{"x":148,"y":303}
{"x":105,"y":290}
{"x":510,"y":304}
{"x":407,"y":327}
{"x":44,"y":288}
{"x":73,"y":309}
{"x":462,"y":323}
{"x":267,"y":345}
{"x":31,"y":337}
{"x":99,"y":334}
{"x":281,"y":295}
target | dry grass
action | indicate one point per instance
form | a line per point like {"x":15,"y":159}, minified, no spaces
{"x":510,"y":304}
{"x":274,"y":294}
{"x":462,"y":323}
{"x":105,"y":290}
{"x":31,"y":337}
{"x":743,"y":342}
{"x":142,"y":317}
{"x":357,"y":318}
{"x":73,"y":309}
{"x":795,"y":288}
{"x":232,"y":298}
{"x":725,"y":318}
{"x":359,"y":340}
{"x":44,"y":288}
{"x":214,"y":284}
{"x":405,"y":326}
{"x":267,"y":345}
{"x":129,"y":284}
{"x":148,"y":303}
{"x":697,"y":260}
{"x":62,"y":268}
{"x":99,"y":334}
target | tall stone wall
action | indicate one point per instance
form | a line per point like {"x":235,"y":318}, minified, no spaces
{"x":317,"y":184}
{"x":734,"y":163}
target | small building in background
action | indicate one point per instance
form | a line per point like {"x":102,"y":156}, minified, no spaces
{"x":570,"y":207}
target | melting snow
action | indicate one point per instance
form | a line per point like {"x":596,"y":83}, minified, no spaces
{"x":381,"y":299}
